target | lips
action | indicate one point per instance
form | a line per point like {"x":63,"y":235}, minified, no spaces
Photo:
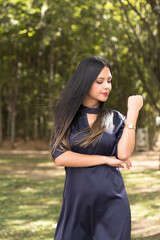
{"x":105,"y":94}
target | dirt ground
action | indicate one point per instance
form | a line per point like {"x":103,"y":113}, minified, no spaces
{"x":25,"y":145}
{"x":49,"y":169}
{"x":140,"y":160}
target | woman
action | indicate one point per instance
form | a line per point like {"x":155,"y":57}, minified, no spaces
{"x":92,"y":142}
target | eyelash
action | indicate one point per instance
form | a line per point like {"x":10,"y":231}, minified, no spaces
{"x":102,"y":82}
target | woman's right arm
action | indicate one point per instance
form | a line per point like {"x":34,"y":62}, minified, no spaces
{"x":73,"y":159}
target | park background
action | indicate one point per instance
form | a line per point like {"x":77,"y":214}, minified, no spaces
{"x":42,"y":42}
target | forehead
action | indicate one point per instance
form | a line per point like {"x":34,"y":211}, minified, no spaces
{"x":105,"y":72}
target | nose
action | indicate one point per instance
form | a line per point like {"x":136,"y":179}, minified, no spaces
{"x":107,"y":85}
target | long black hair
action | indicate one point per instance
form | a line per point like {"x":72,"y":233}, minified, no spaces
{"x":70,"y":99}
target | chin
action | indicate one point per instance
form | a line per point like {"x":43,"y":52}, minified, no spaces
{"x":103,"y":100}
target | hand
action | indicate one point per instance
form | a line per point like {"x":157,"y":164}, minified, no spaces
{"x":135,"y":102}
{"x":114,"y":162}
{"x":128,"y":163}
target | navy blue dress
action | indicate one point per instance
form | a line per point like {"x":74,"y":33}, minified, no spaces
{"x":95,"y":203}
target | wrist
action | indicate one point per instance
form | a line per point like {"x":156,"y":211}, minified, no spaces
{"x":130,"y":125}
{"x":132,"y":117}
{"x":133,"y":111}
{"x":106,"y":159}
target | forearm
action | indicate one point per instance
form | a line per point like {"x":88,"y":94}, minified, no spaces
{"x":127,"y":142}
{"x":73,"y":159}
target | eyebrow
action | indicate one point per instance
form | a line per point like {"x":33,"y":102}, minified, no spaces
{"x":104,"y":78}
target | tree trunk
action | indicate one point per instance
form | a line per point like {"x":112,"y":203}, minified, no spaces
{"x":50,"y":88}
{"x":8,"y":122}
{"x":35,"y":136}
{"x":14,"y":95}
{"x":1,"y":131}
{"x":26,"y":133}
{"x":51,"y":78}
{"x":13,"y":121}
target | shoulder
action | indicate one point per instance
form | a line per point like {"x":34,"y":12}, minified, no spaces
{"x":115,"y":113}
{"x":119,"y":115}
{"x":115,"y":117}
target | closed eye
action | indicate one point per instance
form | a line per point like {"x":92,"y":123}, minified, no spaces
{"x":99,"y":82}
{"x":102,"y":82}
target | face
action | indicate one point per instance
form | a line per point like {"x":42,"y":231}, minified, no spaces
{"x":100,"y":88}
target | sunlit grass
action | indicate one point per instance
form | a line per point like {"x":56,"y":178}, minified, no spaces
{"x":143,"y":188}
{"x":30,"y":205}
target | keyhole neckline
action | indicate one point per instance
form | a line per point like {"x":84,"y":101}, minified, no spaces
{"x":86,"y":109}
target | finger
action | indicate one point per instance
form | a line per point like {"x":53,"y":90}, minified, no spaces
{"x":127,"y":165}
{"x":120,"y":166}
{"x":130,"y":164}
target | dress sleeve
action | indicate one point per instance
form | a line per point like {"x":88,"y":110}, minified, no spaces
{"x":57,"y":151}
{"x":119,"y":131}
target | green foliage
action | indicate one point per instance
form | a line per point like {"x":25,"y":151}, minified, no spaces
{"x":42,"y":43}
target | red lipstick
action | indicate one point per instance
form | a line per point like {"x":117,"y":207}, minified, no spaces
{"x":105,"y":94}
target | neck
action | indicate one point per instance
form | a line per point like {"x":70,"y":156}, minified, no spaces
{"x":91,"y":105}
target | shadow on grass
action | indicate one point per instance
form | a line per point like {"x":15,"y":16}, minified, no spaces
{"x":154,"y":236}
{"x":31,"y":207}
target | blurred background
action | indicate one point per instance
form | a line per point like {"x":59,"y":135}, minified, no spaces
{"x":41,"y":44}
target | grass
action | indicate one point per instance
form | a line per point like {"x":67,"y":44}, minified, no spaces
{"x":31,"y":196}
{"x":143,"y":193}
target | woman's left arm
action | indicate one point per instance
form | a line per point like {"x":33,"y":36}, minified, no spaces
{"x":127,"y":141}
